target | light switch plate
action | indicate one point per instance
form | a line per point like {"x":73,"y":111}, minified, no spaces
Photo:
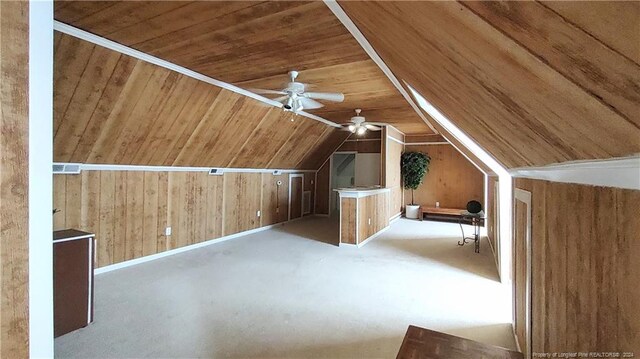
{"x":167,"y":231}
{"x":258,"y":213}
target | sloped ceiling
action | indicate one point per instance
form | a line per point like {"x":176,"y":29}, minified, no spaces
{"x":254,"y":45}
{"x":110,"y":108}
{"x":533,"y":83}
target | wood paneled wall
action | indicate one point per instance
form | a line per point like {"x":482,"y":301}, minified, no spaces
{"x":585,"y":246}
{"x":129,"y":210}
{"x":310,"y":185}
{"x":417,"y":139}
{"x":111,"y":108}
{"x":452,"y":180}
{"x":392,"y":173}
{"x":14,"y":179}
{"x":373,"y":215}
{"x":361,"y":218}
{"x":348,"y":220}
{"x":360,"y":146}
{"x":368,"y":143}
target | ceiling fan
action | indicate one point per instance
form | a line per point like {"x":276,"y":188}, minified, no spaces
{"x":295,"y":99}
{"x":359,"y":125}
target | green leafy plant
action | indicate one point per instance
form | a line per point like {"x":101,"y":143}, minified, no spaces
{"x":414,"y":166}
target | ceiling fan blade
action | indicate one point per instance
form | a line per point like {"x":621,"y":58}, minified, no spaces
{"x":309,"y":104}
{"x":268,"y":92}
{"x":372,"y":127}
{"x":327,"y":96}
{"x":281,"y":98}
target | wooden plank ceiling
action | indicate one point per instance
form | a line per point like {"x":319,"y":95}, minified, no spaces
{"x":533,"y":83}
{"x":110,"y":108}
{"x":254,"y":45}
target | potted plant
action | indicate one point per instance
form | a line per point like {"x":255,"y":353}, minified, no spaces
{"x":414,"y":166}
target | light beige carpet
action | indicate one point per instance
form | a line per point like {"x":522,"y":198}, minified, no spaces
{"x":280,"y":294}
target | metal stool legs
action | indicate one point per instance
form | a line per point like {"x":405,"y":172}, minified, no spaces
{"x":476,"y":234}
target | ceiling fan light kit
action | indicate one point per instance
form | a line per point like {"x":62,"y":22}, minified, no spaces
{"x":359,"y":126}
{"x":295,"y":99}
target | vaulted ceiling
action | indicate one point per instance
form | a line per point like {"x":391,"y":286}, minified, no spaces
{"x":533,"y":83}
{"x":111,"y":108}
{"x":254,"y":45}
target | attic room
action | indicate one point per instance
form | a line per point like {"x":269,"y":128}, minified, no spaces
{"x":325,"y":179}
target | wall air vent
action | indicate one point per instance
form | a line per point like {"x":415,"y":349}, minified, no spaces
{"x":66,"y":168}
{"x":216,"y":171}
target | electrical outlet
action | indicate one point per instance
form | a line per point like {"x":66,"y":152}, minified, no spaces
{"x":311,"y":181}
{"x":167,"y":231}
{"x":277,"y":210}
{"x":437,"y":204}
{"x":258,"y":213}
{"x":369,"y":221}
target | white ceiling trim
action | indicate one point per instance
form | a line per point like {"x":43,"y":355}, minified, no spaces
{"x":426,"y":143}
{"x":621,"y":172}
{"x":106,"y":167}
{"x":112,"y":45}
{"x":395,"y":140}
{"x":366,"y":46}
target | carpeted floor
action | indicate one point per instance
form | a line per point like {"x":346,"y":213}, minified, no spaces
{"x":287,"y":293}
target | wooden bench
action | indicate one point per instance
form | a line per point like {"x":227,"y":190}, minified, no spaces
{"x":436,"y":212}
{"x":443,"y":214}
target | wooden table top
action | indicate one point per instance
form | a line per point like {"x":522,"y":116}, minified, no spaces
{"x":68,"y":234}
{"x":420,"y":343}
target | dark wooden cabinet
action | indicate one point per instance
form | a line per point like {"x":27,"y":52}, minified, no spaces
{"x":421,"y":343}
{"x":73,"y":263}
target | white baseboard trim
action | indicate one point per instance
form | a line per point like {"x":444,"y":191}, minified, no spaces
{"x":347,"y":244}
{"x":373,"y":236}
{"x":395,"y":217}
{"x":171,"y":252}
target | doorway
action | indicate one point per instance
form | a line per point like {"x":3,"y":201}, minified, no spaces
{"x":343,"y":174}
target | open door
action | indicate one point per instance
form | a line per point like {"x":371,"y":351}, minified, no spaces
{"x":295,"y":196}
{"x":522,"y":270}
